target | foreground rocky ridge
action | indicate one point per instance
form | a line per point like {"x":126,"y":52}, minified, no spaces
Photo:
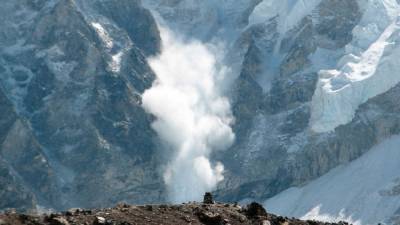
{"x":190,"y":213}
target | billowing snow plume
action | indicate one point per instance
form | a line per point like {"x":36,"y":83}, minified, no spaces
{"x":192,"y":116}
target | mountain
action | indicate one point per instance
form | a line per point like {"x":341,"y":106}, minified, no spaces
{"x":148,"y":101}
{"x":72,"y":116}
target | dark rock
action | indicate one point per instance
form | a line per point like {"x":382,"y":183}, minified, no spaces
{"x":255,"y":210}
{"x":208,"y":198}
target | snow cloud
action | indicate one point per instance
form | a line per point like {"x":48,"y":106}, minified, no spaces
{"x":193,"y":117}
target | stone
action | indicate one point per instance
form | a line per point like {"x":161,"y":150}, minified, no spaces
{"x":255,"y":210}
{"x":208,"y":198}
{"x":210,"y":218}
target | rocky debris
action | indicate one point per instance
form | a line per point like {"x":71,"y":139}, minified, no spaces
{"x":190,"y":213}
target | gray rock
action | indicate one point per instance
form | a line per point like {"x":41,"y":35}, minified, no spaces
{"x":75,"y":133}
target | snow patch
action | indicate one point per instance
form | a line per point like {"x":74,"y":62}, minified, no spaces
{"x":115,"y":64}
{"x":109,"y":42}
{"x":103,"y":34}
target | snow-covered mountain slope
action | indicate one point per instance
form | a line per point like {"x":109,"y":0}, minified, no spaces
{"x":368,"y":68}
{"x":365,"y":191}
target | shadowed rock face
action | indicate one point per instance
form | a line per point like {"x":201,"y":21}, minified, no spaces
{"x":334,"y":28}
{"x":10,"y":186}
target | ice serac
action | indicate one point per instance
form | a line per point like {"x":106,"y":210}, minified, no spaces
{"x":366,"y":191}
{"x":368,"y":68}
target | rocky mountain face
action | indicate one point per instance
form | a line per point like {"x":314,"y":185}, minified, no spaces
{"x":71,"y":116}
{"x":313,"y":86}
